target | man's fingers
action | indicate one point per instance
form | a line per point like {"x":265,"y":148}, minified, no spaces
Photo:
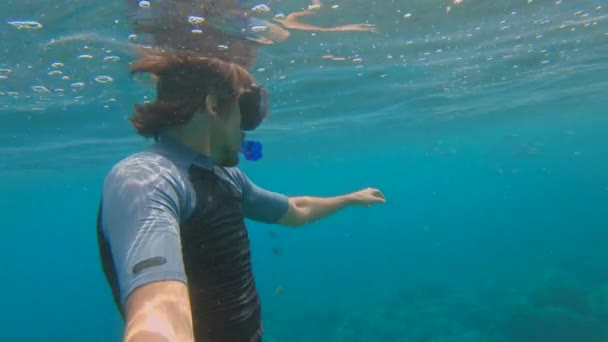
{"x":378,"y":193}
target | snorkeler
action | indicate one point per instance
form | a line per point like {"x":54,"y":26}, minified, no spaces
{"x":171,"y":222}
{"x":171,"y":226}
{"x":220,"y":29}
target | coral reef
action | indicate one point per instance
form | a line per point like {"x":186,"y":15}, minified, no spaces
{"x":553,"y":307}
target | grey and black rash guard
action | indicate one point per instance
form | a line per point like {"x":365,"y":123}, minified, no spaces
{"x":169,"y":213}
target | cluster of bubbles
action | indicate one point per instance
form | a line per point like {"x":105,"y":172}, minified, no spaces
{"x":490,"y":44}
{"x":53,"y":86}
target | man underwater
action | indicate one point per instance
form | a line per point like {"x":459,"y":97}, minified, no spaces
{"x":171,"y":226}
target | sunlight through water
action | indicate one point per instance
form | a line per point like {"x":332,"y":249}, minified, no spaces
{"x":426,"y":61}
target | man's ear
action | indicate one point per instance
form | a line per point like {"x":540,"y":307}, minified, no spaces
{"x":212,"y":105}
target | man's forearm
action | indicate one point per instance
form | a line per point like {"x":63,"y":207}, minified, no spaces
{"x":309,"y":209}
{"x":159,"y":312}
{"x":306,"y":209}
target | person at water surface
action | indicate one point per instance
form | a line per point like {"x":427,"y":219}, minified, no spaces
{"x":171,"y":231}
{"x":230,"y":30}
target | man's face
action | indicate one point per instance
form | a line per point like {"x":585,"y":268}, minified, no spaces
{"x":229,"y":136}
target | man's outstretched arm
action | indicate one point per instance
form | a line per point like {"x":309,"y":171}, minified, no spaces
{"x":159,"y":312}
{"x":275,"y":208}
{"x":306,"y":209}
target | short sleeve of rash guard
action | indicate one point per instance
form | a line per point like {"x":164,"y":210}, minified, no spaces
{"x":143,"y":199}
{"x":259,"y":204}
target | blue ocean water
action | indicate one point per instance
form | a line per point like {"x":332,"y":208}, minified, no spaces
{"x":483,"y":124}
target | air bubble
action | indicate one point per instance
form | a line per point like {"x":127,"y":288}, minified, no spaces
{"x":194,"y":20}
{"x":144,"y":4}
{"x":112,"y":59}
{"x":358,"y":60}
{"x":26,"y":25}
{"x":222,"y":47}
{"x":77,"y":85}
{"x":197,"y":31}
{"x":85,"y":57}
{"x":57,"y":65}
{"x":279,"y":16}
{"x":132,"y":37}
{"x":261,"y":8}
{"x":407,"y":15}
{"x":103,"y":79}
{"x":2,"y":77}
{"x":55,"y":73}
{"x":40,"y":89}
{"x":259,"y":28}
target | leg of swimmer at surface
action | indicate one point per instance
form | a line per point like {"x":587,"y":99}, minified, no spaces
{"x":292,"y":22}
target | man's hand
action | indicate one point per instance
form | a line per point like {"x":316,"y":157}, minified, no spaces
{"x":367,"y":197}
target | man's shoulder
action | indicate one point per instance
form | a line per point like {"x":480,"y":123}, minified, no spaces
{"x":149,"y":176}
{"x":236,"y":175}
{"x":145,"y":160}
{"x":142,"y":167}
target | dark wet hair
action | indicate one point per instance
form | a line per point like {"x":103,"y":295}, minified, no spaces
{"x":183,"y":82}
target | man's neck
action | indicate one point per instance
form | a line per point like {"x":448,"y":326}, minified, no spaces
{"x":198,"y":143}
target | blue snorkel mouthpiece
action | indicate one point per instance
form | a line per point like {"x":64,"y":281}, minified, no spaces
{"x":254,"y":106}
{"x":251,"y":149}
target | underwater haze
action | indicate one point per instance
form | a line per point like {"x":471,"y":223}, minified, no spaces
{"x":484,"y":123}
